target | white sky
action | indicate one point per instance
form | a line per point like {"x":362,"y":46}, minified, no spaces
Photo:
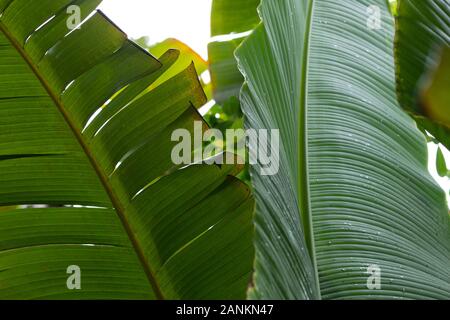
{"x":185,"y":20}
{"x":188,"y":21}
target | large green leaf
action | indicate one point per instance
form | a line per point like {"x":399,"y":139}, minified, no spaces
{"x":353,"y":186}
{"x":423,"y":30}
{"x":81,"y":138}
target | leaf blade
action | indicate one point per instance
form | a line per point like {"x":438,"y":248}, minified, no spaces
{"x":373,"y":201}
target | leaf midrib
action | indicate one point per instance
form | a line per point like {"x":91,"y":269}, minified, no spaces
{"x":303,"y":181}
{"x":119,"y":208}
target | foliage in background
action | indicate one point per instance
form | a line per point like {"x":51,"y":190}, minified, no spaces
{"x":423,"y":71}
{"x":230,"y":23}
{"x":434,"y":92}
{"x":187,"y":56}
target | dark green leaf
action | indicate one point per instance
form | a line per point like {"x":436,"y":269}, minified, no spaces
{"x":353,"y":190}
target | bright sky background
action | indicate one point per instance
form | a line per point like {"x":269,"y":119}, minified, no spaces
{"x":185,"y":20}
{"x":188,"y":21}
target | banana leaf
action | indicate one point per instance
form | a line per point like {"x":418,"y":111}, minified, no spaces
{"x":86,"y":177}
{"x":353,"y":193}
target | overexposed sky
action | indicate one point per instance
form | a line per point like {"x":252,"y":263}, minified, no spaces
{"x":186,"y":20}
